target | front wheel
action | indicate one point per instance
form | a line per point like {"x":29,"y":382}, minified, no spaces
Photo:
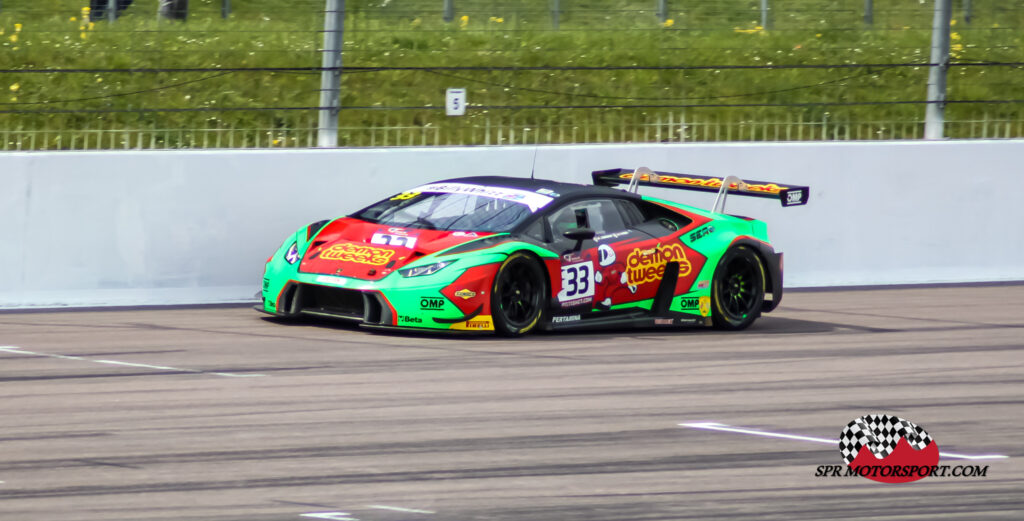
{"x":518,"y":296}
{"x":737,"y":291}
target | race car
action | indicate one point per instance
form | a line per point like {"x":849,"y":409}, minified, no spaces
{"x":514,"y":255}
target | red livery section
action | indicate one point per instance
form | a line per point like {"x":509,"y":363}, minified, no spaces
{"x":358,"y":249}
{"x":903,"y":456}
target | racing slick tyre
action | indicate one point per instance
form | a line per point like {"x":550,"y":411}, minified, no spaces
{"x":737,"y":290}
{"x":518,"y":295}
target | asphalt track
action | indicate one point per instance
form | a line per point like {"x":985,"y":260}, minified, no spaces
{"x":219,"y":414}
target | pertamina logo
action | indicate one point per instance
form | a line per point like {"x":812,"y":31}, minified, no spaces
{"x":648,"y":265}
{"x":349,"y":252}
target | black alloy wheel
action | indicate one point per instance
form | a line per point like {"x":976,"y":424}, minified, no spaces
{"x":737,"y":292}
{"x":518,"y":296}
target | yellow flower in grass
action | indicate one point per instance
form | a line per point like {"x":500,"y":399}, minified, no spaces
{"x":464,"y":21}
{"x":73,"y":19}
{"x":668,"y":23}
{"x":13,"y":38}
{"x":497,"y":19}
{"x":84,"y":35}
{"x":17,"y":28}
{"x":15,"y":87}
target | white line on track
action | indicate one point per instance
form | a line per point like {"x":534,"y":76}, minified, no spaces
{"x":401,"y":509}
{"x":18,"y":350}
{"x":713,"y":426}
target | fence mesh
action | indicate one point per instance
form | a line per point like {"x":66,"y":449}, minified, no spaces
{"x":247,"y":74}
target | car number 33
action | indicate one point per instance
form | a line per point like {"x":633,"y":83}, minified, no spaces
{"x":577,"y":281}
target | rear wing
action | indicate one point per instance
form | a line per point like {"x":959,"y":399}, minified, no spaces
{"x":788,"y":195}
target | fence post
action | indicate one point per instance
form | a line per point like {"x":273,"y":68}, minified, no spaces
{"x":556,"y":11}
{"x":766,"y":21}
{"x":869,"y":12}
{"x":449,"y":10}
{"x":968,"y":12}
{"x":662,"y":10}
{"x":330,"y":75}
{"x":225,"y":8}
{"x":111,"y":10}
{"x":935,"y":111}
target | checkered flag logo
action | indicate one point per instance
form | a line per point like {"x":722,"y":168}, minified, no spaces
{"x":880,"y":433}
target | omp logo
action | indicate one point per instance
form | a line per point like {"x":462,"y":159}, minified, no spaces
{"x":794,"y":197}
{"x":431,"y":303}
{"x":714,"y":182}
{"x":701,"y":304}
{"x":648,"y":265}
{"x":349,"y":252}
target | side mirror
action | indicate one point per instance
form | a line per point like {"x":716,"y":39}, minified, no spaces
{"x":579,"y":235}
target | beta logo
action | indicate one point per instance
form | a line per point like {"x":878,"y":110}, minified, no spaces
{"x":880,"y":447}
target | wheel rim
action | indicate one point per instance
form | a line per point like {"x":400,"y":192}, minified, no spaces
{"x":738,"y":292}
{"x":518,"y":295}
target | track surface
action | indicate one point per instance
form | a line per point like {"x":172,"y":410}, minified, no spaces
{"x":230,"y":416}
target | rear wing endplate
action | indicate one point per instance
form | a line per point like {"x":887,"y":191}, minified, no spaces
{"x":787,"y":194}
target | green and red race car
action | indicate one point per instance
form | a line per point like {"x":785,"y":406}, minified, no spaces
{"x":514,"y":255}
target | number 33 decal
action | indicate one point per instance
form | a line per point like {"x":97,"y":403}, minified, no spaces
{"x":577,"y":281}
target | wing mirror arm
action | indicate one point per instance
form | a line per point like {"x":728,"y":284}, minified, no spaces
{"x":579,"y":235}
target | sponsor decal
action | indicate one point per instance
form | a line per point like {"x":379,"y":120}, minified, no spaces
{"x":605,"y":255}
{"x":405,"y":195}
{"x":532,"y":200}
{"x":565,"y":318}
{"x":431,"y":303}
{"x":406,"y":319}
{"x":545,"y":191}
{"x":606,"y":236}
{"x":465,"y":293}
{"x":648,"y":265}
{"x":700,"y":304}
{"x":402,"y":240}
{"x":663,"y":321}
{"x":703,"y":232}
{"x":889,"y":449}
{"x":580,"y":302}
{"x":464,"y":234}
{"x":703,"y":284}
{"x":266,"y":284}
{"x":480,"y":323}
{"x":328,"y":279}
{"x":794,"y":197}
{"x":572,"y":257}
{"x":714,"y":182}
{"x":349,"y":252}
{"x":577,"y":281}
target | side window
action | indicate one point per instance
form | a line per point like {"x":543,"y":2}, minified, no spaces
{"x":630,"y":212}
{"x":601,"y":215}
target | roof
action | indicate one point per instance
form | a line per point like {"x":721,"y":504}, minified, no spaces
{"x":571,"y":190}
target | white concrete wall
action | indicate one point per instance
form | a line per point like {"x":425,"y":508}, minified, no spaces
{"x":152,"y":227}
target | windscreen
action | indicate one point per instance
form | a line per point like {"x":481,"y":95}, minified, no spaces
{"x":448,"y":211}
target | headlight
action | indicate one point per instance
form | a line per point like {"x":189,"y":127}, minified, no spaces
{"x":293,"y":253}
{"x":429,"y":269}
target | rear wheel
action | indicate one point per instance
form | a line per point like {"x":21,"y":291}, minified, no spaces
{"x":737,"y":291}
{"x":518,"y":296}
